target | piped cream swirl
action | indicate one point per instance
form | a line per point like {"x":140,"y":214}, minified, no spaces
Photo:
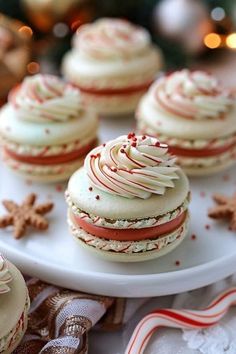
{"x":111,"y":38}
{"x":5,"y":276}
{"x":192,"y":95}
{"x":132,"y":166}
{"x":46,"y":98}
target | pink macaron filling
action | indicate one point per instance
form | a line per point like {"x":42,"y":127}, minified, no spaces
{"x":130,"y":234}
{"x":54,"y":159}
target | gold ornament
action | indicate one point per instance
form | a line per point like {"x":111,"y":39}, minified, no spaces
{"x":15,"y":53}
{"x":45,"y":13}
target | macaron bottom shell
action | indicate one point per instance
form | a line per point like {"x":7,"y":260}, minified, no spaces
{"x":55,"y":168}
{"x":160,"y":246}
{"x":201,"y":170}
{"x":113,"y":104}
{"x":202,"y":162}
{"x":42,"y":173}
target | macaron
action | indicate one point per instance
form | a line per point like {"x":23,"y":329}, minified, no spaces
{"x":46,"y":129}
{"x":113,"y":62}
{"x":195,"y":116}
{"x":14,"y":305}
{"x":129,"y":202}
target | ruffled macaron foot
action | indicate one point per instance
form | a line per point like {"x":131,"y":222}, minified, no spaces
{"x":203,"y":169}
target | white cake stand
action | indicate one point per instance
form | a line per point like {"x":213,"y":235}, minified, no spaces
{"x":54,"y":256}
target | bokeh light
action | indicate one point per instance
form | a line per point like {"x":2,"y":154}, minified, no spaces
{"x":231,"y":41}
{"x":26,"y":30}
{"x":33,"y":67}
{"x":60,"y":29}
{"x":212,"y":40}
{"x":218,"y":14}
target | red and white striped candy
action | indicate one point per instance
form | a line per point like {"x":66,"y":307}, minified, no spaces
{"x":180,"y":319}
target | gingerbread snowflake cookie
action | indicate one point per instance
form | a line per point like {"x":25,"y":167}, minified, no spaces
{"x":225,"y":208}
{"x":25,"y":214}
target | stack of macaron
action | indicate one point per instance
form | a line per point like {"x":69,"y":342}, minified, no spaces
{"x":14,"y":305}
{"x":195,"y":116}
{"x":46,"y":130}
{"x":113,"y":62}
{"x":130,"y":200}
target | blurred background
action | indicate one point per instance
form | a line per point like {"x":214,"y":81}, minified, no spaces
{"x":195,"y":33}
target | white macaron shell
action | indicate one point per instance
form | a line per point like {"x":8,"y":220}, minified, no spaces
{"x":94,"y":73}
{"x":32,"y":133}
{"x":116,"y":207}
{"x":174,"y":126}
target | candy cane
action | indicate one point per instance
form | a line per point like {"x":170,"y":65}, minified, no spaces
{"x":180,"y":319}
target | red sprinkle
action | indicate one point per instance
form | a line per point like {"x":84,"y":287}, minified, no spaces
{"x":157,"y":144}
{"x":114,"y":169}
{"x":177,"y":263}
{"x":90,"y":189}
{"x":131,"y":135}
{"x":95,"y":156}
{"x":97,"y":197}
{"x":122,"y":151}
{"x":104,"y":144}
{"x":193,"y":237}
{"x":134,"y":144}
{"x":143,"y":137}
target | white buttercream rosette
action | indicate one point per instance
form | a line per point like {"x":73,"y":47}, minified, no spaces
{"x":46,"y":98}
{"x":192,"y":95}
{"x":111,"y":38}
{"x":132,"y":166}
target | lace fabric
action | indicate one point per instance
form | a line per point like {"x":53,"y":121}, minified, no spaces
{"x":219,"y":339}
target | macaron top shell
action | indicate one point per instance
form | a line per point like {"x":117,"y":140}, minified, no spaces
{"x":174,"y":126}
{"x":115,"y":207}
{"x":45,"y":110}
{"x":35,"y":133}
{"x":188,"y":105}
{"x":13,"y":302}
